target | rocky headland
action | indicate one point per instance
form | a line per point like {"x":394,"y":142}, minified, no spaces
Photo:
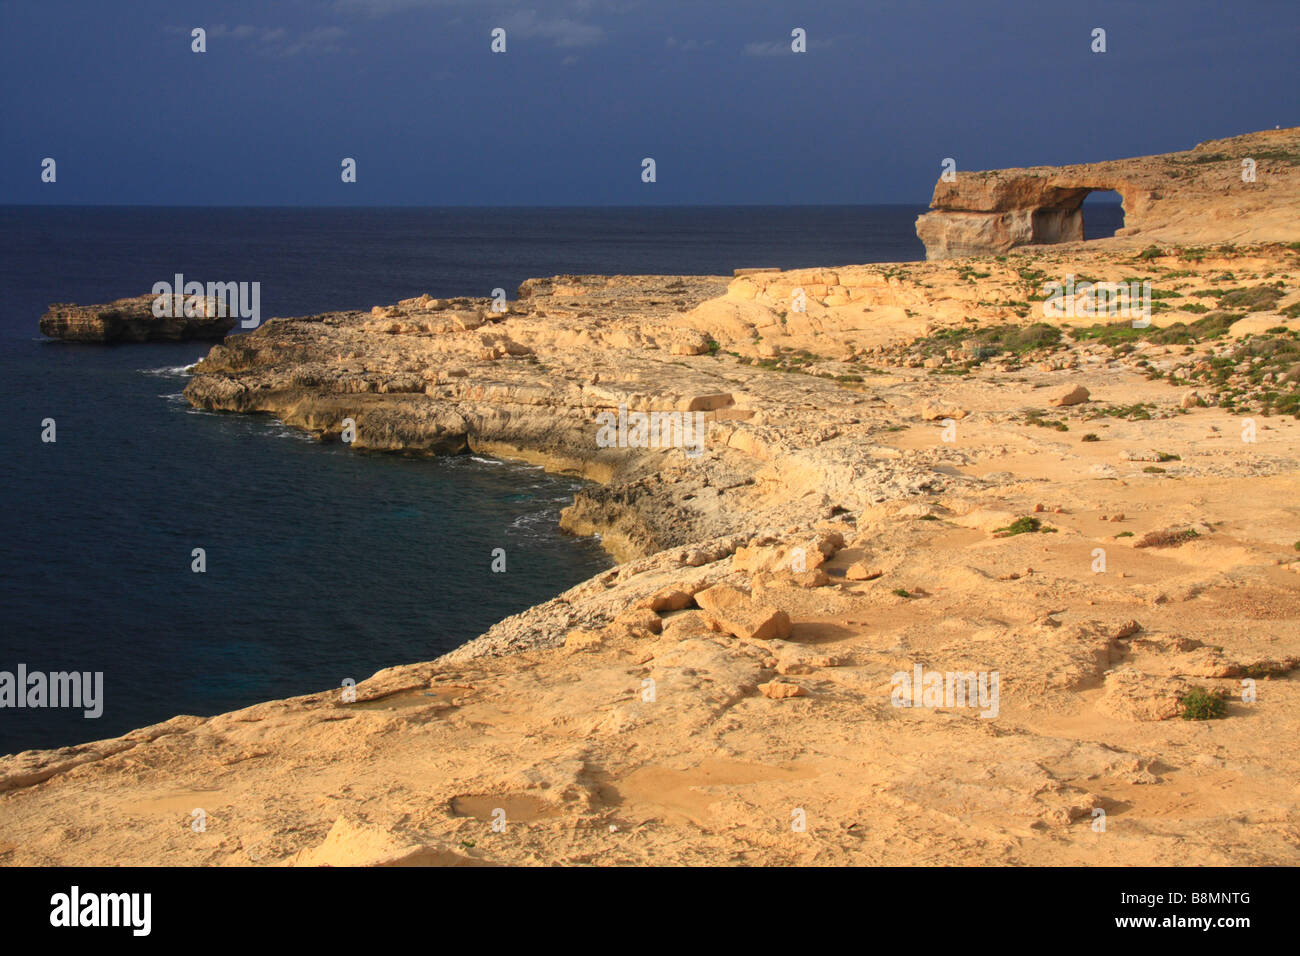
{"x":917,"y":469}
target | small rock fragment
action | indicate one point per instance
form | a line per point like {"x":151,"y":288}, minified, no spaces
{"x":1071,"y":396}
{"x":858,"y":571}
{"x":780,"y":690}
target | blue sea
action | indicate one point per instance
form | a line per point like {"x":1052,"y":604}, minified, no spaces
{"x":321,"y":564}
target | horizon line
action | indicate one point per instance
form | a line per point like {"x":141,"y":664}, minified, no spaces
{"x":809,"y":205}
{"x":740,"y":205}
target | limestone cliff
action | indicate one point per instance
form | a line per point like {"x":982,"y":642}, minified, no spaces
{"x":1191,"y":196}
{"x":132,"y":320}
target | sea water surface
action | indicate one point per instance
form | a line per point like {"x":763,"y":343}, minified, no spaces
{"x":321,"y":564}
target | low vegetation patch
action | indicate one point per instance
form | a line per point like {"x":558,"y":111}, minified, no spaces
{"x":1260,"y":298}
{"x":1025,"y":525}
{"x":1263,"y":670}
{"x":1137,"y":412}
{"x":1168,"y":538}
{"x":1201,"y":704}
{"x":1035,"y":417}
{"x":990,"y":341}
{"x":1213,"y":325}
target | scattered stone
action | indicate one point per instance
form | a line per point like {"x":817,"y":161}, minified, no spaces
{"x":1071,"y":396}
{"x":781,"y":690}
{"x":858,"y":571}
{"x":686,"y":625}
{"x":1141,"y":454}
{"x":816,"y":578}
{"x":735,"y":613}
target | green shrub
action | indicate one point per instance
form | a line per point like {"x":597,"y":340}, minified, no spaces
{"x":1026,"y":525}
{"x":1200,"y":704}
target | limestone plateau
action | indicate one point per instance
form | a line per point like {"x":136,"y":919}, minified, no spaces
{"x":1191,"y":196}
{"x":921,"y":472}
{"x":132,"y":320}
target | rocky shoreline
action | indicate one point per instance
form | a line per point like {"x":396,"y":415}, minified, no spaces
{"x":918,"y":470}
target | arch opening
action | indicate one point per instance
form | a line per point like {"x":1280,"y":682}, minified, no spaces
{"x":1103,"y":214}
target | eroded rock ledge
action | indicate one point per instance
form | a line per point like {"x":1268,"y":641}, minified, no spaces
{"x":1189,"y":196}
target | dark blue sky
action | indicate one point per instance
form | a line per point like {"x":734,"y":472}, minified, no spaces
{"x":587,"y":88}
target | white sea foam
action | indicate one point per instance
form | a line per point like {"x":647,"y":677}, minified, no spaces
{"x":170,"y":370}
{"x":279,"y":429}
{"x":534,"y":524}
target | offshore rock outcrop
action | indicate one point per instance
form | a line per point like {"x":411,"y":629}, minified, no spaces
{"x":1195,"y":195}
{"x":132,"y":320}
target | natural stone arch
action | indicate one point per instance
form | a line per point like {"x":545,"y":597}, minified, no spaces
{"x":1186,"y":197}
{"x":991,"y":212}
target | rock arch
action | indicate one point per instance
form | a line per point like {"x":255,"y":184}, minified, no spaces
{"x":1193,"y":196}
{"x":992,"y":212}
